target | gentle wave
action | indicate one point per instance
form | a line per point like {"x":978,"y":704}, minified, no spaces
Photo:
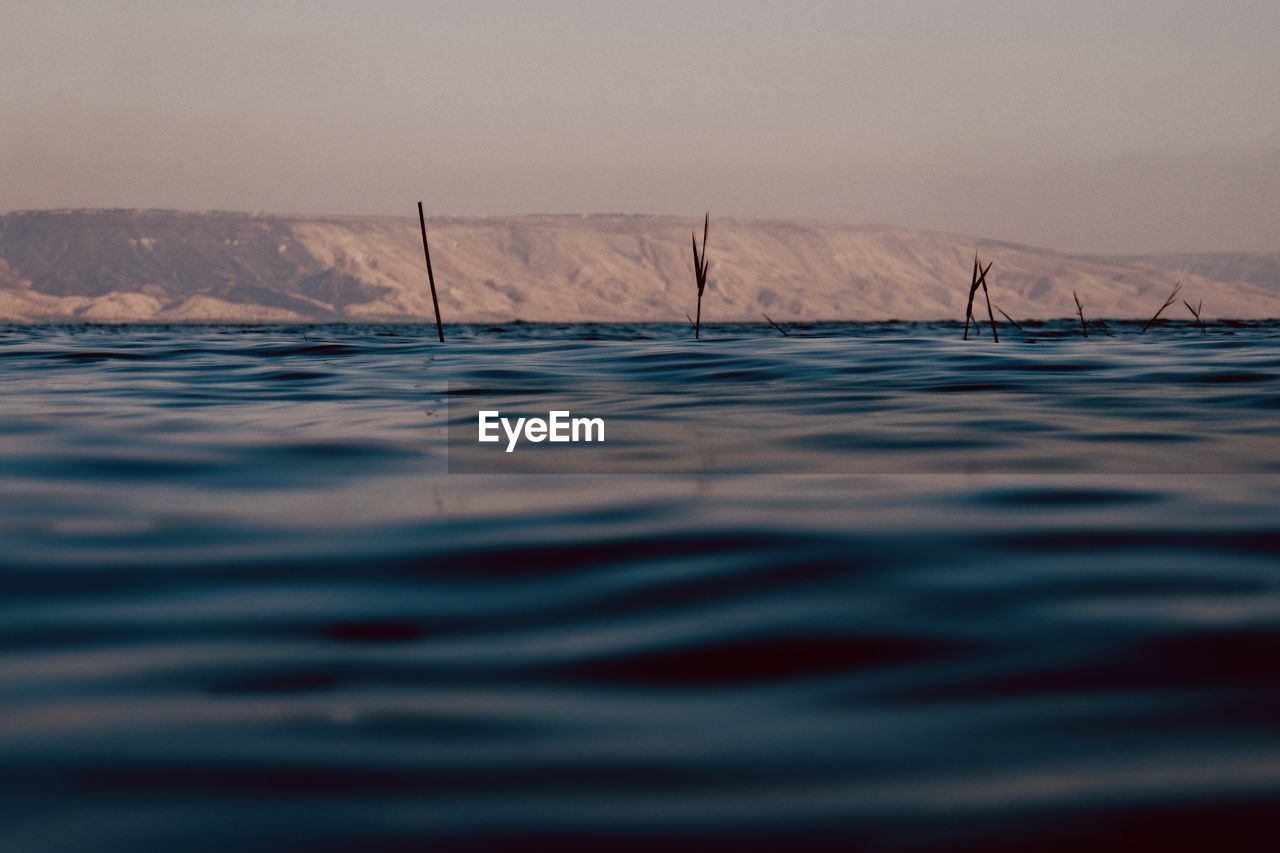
{"x":246,"y":607}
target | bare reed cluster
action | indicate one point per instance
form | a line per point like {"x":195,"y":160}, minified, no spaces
{"x":1195,"y":312}
{"x":1173,"y":295}
{"x":979,"y":280}
{"x":700,"y":267}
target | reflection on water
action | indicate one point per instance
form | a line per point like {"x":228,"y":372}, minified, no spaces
{"x":245,"y":606}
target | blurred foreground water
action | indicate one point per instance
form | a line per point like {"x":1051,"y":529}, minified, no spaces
{"x":867,"y":586}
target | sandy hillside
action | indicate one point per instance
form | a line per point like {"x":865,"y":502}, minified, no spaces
{"x":152,"y":265}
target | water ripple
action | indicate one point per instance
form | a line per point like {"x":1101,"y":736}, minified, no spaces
{"x":953,"y":596}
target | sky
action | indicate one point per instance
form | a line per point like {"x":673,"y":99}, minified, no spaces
{"x":1082,"y":126}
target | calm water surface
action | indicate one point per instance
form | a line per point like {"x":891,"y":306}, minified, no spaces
{"x":867,"y":586}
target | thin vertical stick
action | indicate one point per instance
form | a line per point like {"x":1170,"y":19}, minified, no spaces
{"x":697,"y":323}
{"x":990,"y":315}
{"x":1080,"y":310}
{"x":435,"y":303}
{"x":973,"y":286}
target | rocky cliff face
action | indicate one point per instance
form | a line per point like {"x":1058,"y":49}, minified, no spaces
{"x":155,"y":265}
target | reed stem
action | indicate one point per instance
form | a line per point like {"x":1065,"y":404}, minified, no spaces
{"x":979,"y":280}
{"x":990,"y":315}
{"x":1015,"y":323}
{"x":775,"y":325}
{"x":431,"y":279}
{"x":700,"y":267}
{"x":1173,"y":295}
{"x":973,"y":284}
{"x":1196,"y":313}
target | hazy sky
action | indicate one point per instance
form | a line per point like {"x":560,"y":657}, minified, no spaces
{"x":1088,"y":126}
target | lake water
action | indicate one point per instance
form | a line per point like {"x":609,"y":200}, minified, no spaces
{"x":865,"y":586}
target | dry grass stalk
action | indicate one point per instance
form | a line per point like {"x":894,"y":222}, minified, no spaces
{"x":1080,"y":310}
{"x":973,"y":285}
{"x":1015,"y":323}
{"x":1173,"y":295}
{"x":426,"y":250}
{"x":990,"y":316}
{"x":700,"y":267}
{"x":1196,"y":313}
{"x":979,"y":280}
{"x":775,"y":325}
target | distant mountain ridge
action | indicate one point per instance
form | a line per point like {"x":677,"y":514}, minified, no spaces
{"x":1260,"y":268}
{"x":164,"y":265}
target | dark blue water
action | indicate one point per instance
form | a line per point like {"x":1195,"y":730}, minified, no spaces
{"x":864,"y":587}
